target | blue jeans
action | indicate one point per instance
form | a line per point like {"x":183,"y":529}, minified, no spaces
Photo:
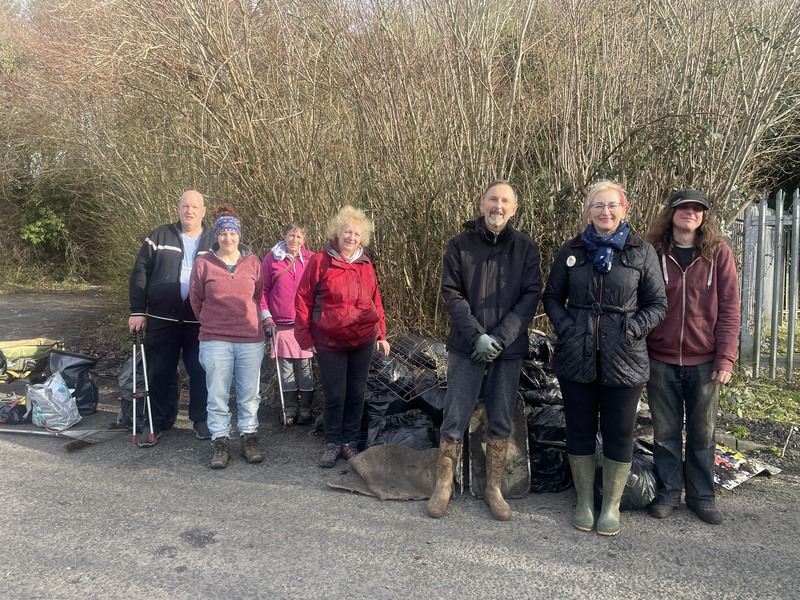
{"x":224,"y":362}
{"x":464,"y":379}
{"x":344,"y":376}
{"x":671,"y":390}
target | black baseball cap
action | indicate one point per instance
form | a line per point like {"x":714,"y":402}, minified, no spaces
{"x":688,"y":195}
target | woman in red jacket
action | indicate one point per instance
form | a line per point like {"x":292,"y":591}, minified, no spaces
{"x":339,"y":316}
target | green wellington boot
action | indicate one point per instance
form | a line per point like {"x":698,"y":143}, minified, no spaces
{"x":583,"y":475}
{"x":615,"y":476}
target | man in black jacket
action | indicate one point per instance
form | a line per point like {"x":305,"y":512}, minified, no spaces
{"x":491,"y":284}
{"x":159,"y":292}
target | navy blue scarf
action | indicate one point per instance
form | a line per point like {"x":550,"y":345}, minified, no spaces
{"x":603,"y":246}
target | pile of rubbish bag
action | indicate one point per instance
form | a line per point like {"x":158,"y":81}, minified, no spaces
{"x":405,"y":406}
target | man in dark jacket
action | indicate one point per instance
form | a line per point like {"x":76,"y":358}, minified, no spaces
{"x":159,"y":297}
{"x":691,"y":352}
{"x":491,"y":284}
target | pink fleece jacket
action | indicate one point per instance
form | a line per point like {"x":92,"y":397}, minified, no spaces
{"x":227,"y":304}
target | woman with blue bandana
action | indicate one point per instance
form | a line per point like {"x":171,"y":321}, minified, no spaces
{"x":225,"y":291}
{"x":603,"y":296}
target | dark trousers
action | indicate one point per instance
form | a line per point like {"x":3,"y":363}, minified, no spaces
{"x":586,"y":404}
{"x":464,"y":380}
{"x":164,"y":343}
{"x":344,"y":380}
{"x":675,"y":394}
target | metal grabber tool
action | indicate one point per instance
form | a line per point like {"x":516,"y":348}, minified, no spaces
{"x":138,"y":340}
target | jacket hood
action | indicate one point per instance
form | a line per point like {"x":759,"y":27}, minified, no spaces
{"x":333,"y":250}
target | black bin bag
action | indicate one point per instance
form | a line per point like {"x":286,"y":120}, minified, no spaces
{"x":76,"y":371}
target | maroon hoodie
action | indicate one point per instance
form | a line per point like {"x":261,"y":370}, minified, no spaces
{"x":703,"y":317}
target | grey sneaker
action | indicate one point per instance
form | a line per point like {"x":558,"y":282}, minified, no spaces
{"x":145,"y":439}
{"x":201,"y":430}
{"x":349,"y":450}
{"x":250,"y":448}
{"x":222,"y":454}
{"x":330,"y":455}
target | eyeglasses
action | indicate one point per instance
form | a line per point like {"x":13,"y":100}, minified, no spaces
{"x":612,"y":207}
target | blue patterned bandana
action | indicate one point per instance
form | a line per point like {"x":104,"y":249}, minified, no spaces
{"x":227,"y":224}
{"x":603,"y":246}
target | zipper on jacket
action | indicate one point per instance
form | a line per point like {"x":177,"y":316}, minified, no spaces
{"x":683,"y":304}
{"x":597,"y":320}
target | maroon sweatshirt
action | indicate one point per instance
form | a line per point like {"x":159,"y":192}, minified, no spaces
{"x":227,"y":304}
{"x":703,"y":317}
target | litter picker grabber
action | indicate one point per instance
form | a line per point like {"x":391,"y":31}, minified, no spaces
{"x":274,"y":347}
{"x":80,"y":437}
{"x":139,"y":341}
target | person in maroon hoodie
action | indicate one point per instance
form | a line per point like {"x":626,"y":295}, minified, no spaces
{"x":692,"y":352}
{"x":339,"y":316}
{"x":225,"y":291}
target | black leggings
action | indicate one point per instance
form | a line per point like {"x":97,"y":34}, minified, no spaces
{"x":616,"y":409}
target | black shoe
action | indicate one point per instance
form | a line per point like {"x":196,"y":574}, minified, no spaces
{"x":660,"y":511}
{"x":328,"y":459}
{"x":707,"y":514}
{"x":349,"y":450}
{"x":145,"y":439}
{"x":201,"y":430}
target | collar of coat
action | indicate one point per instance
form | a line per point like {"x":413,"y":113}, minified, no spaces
{"x":478,"y":226}
{"x":633,"y":240}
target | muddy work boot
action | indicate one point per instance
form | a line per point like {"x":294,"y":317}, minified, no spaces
{"x":304,"y":408}
{"x":445,"y":469}
{"x":290,"y":408}
{"x":250,"y":448}
{"x":496,"y":450}
{"x":221,"y":455}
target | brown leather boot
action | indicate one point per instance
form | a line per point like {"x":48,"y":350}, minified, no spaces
{"x":445,"y":468}
{"x":496,"y":450}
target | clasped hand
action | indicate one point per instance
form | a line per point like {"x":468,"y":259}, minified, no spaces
{"x":487,"y":348}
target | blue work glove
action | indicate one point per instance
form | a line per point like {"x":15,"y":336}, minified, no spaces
{"x":487,"y":348}
{"x":269,"y":327}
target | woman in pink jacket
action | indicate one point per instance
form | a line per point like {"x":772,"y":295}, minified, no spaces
{"x":339,"y":316}
{"x":282,"y":268}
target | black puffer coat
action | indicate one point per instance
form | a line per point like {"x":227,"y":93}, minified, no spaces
{"x":591,"y":310}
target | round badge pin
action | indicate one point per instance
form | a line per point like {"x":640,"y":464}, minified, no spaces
{"x":571,"y":261}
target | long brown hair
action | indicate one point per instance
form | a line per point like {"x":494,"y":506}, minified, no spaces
{"x":708,"y":237}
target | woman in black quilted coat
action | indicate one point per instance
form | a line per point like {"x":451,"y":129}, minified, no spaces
{"x":603,"y":296}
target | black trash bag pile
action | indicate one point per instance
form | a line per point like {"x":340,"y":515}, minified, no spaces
{"x":641,"y":488}
{"x":76,"y":371}
{"x":547,"y":431}
{"x":547,"y":435}
{"x":404,"y":403}
{"x":537,"y":383}
{"x":412,"y":428}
